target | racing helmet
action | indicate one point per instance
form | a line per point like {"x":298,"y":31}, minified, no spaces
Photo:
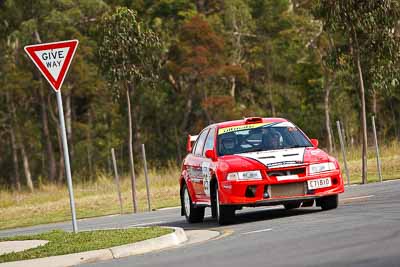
{"x":227,"y":143}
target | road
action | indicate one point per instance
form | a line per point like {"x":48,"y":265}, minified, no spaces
{"x":363,"y":231}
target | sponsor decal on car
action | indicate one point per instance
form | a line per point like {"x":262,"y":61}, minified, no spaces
{"x":205,"y":169}
{"x":278,"y":158}
{"x":283,"y":163}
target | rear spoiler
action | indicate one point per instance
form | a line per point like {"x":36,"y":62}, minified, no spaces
{"x":191,"y":139}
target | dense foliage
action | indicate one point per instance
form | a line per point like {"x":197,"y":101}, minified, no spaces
{"x":209,"y":61}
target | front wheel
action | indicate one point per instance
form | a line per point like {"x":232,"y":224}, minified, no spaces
{"x":329,"y":202}
{"x":225,"y":214}
{"x":193,"y":214}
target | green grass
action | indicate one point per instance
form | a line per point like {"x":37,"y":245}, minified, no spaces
{"x":61,"y":243}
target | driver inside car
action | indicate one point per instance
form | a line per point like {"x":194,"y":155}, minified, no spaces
{"x":228,"y":144}
{"x":272,"y":139}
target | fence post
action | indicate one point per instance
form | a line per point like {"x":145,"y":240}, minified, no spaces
{"x":343,"y":151}
{"x":146,"y":177}
{"x":378,"y":159}
{"x":117,"y":179}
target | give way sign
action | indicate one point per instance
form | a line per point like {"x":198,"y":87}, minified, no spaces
{"x":53,"y":60}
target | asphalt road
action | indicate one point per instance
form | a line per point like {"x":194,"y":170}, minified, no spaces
{"x":363,"y":231}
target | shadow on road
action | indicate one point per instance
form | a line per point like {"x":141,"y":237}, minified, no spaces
{"x":243,"y":217}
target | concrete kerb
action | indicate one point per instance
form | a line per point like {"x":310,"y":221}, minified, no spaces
{"x":158,"y":243}
{"x":173,"y":239}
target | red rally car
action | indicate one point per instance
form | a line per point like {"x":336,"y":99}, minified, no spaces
{"x":256,"y":162}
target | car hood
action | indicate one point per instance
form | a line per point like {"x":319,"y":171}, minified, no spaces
{"x":272,"y":159}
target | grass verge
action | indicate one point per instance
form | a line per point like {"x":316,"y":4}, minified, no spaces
{"x":390,"y":158}
{"x":61,"y":243}
{"x":50,"y":203}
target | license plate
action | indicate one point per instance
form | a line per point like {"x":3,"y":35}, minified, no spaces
{"x":319,"y":183}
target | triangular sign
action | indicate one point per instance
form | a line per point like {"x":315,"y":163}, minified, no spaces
{"x":53,"y":60}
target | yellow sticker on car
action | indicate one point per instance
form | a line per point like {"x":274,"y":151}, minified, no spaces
{"x":241,"y":127}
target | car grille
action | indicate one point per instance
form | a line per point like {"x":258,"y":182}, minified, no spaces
{"x":287,"y":190}
{"x":298,"y":171}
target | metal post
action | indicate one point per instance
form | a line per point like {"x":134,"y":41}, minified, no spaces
{"x":66,"y":159}
{"x":117,"y":179}
{"x":378,"y":159}
{"x":147,"y":178}
{"x":343,"y":151}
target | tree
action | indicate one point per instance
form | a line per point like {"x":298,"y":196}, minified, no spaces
{"x":130,"y":54}
{"x":194,"y":60}
{"x":368,"y":27}
{"x":239,"y":25}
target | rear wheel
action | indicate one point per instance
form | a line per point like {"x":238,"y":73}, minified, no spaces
{"x":225,"y":214}
{"x":193,"y":214}
{"x":329,"y":202}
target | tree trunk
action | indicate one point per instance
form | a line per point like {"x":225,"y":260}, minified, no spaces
{"x":328,"y":86}
{"x":51,"y":161}
{"x":130,"y":146}
{"x":374,"y":105}
{"x":271,"y":100}
{"x":363,"y":110}
{"x":61,"y":162}
{"x":328,"y":120}
{"x":188,"y":110}
{"x":20,"y":144}
{"x":68,"y":120}
{"x":89,"y":143}
{"x":17,"y":179}
{"x":233,"y":87}
{"x":14,"y":145}
{"x":138,"y":131}
{"x":394,"y":119}
{"x":269,"y":87}
{"x":178,"y":145}
{"x":27,"y":170}
{"x":61,"y":169}
{"x":204,"y":107}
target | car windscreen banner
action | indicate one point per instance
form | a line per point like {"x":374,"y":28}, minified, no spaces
{"x":253,"y":126}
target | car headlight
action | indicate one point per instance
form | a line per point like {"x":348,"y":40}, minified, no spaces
{"x":244,"y":176}
{"x":322,"y":167}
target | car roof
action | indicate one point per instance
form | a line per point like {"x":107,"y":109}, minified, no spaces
{"x":250,"y":120}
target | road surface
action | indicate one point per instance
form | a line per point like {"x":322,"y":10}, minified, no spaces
{"x":363,"y":231}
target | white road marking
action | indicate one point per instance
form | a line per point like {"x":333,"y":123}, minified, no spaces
{"x":144,"y":224}
{"x":361,"y":197}
{"x":257,"y":231}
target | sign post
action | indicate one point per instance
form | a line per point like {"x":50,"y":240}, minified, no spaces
{"x":53,"y":61}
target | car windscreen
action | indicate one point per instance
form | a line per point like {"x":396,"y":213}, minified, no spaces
{"x":260,"y":137}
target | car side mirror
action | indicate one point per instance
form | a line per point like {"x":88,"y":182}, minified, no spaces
{"x":314,"y":142}
{"x":211,"y":154}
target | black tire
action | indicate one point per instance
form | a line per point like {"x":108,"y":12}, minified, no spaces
{"x":292,"y":205}
{"x":193,"y":214}
{"x":329,"y":202}
{"x":213,"y":204}
{"x":224,"y":214}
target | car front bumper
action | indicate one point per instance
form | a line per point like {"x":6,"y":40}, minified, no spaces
{"x":270,"y":191}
